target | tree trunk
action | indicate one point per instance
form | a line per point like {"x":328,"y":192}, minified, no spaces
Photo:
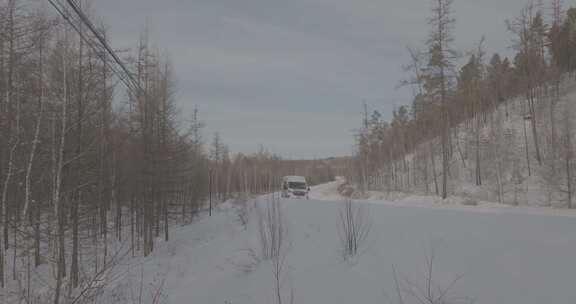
{"x":74,"y":266}
{"x":478,"y":172}
{"x":568,"y":157}
{"x":526,"y":146}
{"x":58,"y":162}
{"x":534,"y":126}
{"x":432,"y":158}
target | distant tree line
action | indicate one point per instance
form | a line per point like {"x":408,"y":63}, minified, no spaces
{"x":501,"y":122}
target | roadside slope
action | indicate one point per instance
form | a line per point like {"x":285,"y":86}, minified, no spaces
{"x":503,"y":258}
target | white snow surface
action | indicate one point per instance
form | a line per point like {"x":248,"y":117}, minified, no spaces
{"x":504,"y":255}
{"x":329,"y":192}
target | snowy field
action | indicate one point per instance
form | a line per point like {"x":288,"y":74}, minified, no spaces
{"x":504,"y":256}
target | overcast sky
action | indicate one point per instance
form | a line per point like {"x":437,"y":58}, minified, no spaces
{"x":292,"y":74}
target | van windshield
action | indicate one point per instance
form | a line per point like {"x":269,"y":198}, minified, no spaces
{"x":297,"y":185}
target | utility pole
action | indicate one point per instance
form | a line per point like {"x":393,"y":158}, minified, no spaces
{"x":210,"y":192}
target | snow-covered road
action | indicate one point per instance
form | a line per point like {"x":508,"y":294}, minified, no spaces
{"x":503,"y":257}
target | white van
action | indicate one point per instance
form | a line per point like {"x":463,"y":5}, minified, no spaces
{"x":295,"y":186}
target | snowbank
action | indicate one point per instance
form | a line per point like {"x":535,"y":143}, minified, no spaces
{"x":503,"y":257}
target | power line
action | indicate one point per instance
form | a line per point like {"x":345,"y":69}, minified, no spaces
{"x":124,"y":75}
{"x":66,"y":16}
{"x":102,"y":40}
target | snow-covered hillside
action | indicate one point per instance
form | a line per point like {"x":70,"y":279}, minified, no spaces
{"x":509,"y":169}
{"x":511,"y":257}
